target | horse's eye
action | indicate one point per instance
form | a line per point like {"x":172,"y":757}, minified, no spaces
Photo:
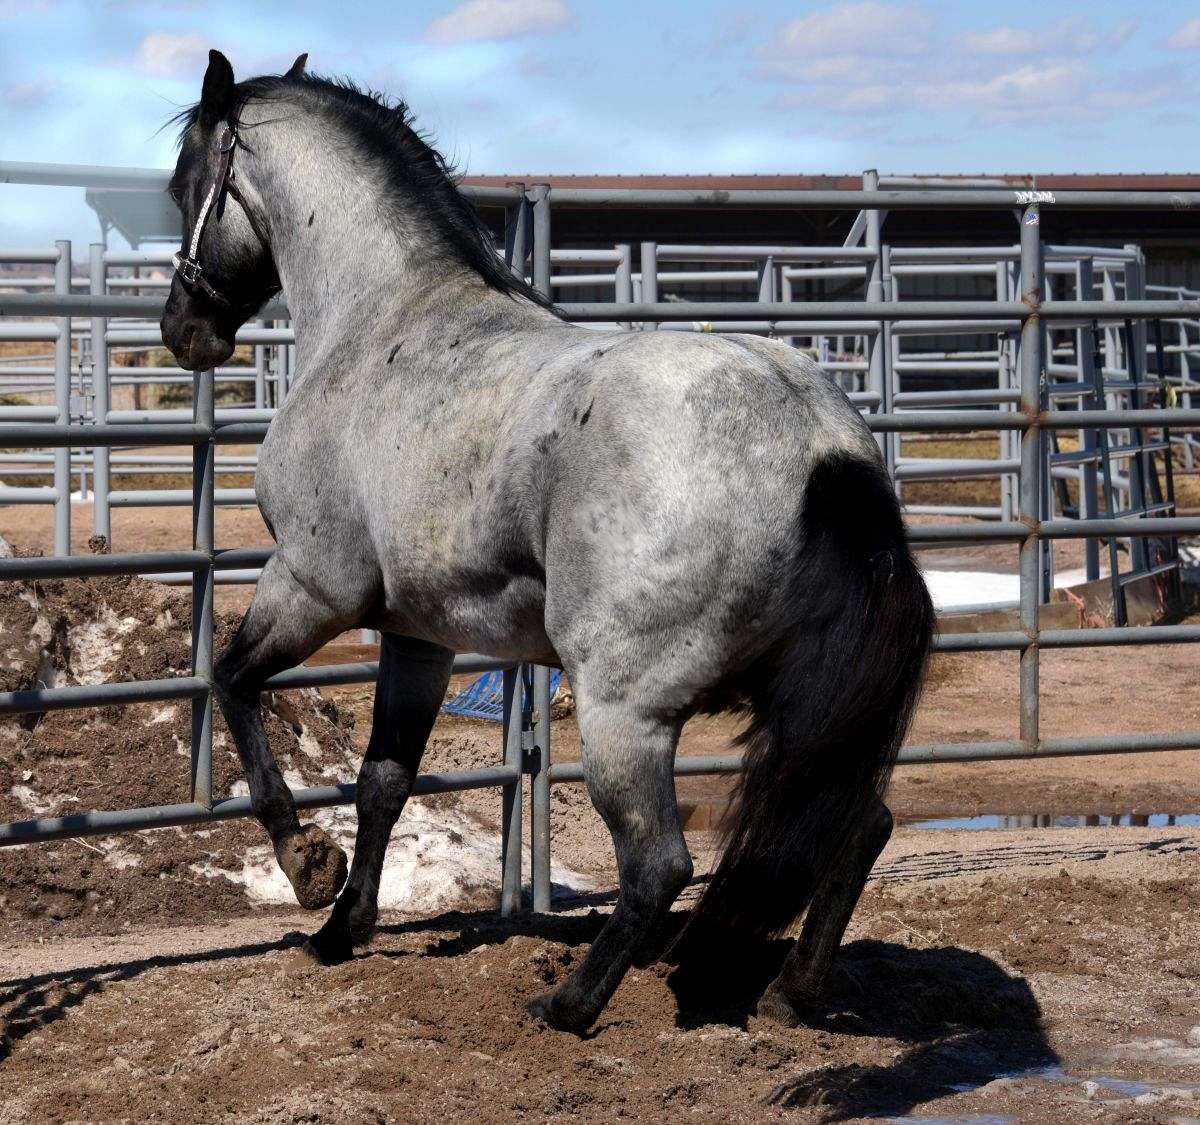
{"x":177,"y":195}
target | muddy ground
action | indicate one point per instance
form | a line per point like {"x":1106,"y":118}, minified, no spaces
{"x":1034,"y":976}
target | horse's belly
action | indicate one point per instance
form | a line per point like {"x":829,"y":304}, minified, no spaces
{"x":496,"y":615}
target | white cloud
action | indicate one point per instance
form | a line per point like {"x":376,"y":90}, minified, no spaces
{"x":29,"y":95}
{"x":874,"y":60}
{"x":858,"y":28}
{"x":1015,"y":92}
{"x":498,"y":19}
{"x":9,"y":9}
{"x":1186,"y":37}
{"x":163,"y":52}
{"x":1071,"y":36}
{"x":1000,"y":41}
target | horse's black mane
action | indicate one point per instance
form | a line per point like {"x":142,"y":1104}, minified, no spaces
{"x":382,"y":130}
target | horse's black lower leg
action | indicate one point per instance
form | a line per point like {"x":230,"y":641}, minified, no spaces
{"x":798,"y":988}
{"x":284,"y":624}
{"x":628,"y":765}
{"x":409,"y":692}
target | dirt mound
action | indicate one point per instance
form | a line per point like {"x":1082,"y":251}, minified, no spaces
{"x":59,"y":633}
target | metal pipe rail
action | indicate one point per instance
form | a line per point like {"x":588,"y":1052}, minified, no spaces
{"x":527,"y":710}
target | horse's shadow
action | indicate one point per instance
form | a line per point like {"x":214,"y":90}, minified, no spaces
{"x":957,"y":1018}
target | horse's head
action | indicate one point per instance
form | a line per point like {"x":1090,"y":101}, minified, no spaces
{"x":224,"y":271}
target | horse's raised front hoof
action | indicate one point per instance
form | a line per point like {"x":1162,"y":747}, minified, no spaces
{"x":315,"y":866}
{"x":775,"y":1004}
{"x":550,"y":1009}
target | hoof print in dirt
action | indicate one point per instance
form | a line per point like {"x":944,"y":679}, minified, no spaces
{"x":315,"y":866}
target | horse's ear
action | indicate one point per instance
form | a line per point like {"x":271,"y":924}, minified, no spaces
{"x":216,"y":96}
{"x":297,"y":68}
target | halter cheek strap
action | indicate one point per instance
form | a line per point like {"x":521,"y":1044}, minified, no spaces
{"x":187,"y":266}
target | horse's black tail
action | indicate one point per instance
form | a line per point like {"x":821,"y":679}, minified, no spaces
{"x":830,"y":703}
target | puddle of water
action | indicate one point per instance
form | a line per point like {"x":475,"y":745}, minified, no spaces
{"x":1050,"y":820}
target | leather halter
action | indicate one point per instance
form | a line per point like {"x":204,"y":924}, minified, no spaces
{"x":187,"y":266}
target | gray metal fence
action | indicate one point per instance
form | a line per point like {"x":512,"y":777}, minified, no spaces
{"x":525,"y":749}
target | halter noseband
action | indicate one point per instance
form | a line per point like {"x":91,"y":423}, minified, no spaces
{"x":187,"y":266}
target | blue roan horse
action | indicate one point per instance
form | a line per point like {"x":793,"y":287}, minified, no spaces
{"x":681,"y":522}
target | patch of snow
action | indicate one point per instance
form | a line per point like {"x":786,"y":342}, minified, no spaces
{"x":161,"y":715}
{"x":962,"y":589}
{"x":309,"y":746}
{"x":95,"y":646}
{"x":439,"y":859}
{"x":30,"y":800}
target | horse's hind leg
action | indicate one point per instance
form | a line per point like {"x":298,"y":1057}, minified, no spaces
{"x":801,"y":981}
{"x":409,"y":692}
{"x":285,"y":624}
{"x":627,"y":760}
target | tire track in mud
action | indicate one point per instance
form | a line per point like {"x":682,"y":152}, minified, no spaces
{"x":946,"y":864}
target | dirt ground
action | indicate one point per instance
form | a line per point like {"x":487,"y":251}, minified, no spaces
{"x":1040,"y":975}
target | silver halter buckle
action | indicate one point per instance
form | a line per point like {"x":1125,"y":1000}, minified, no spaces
{"x":189,"y":269}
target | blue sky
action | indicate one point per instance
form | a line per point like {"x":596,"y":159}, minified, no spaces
{"x":578,"y":86}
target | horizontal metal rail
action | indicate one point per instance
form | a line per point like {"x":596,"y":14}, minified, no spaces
{"x":884,"y":200}
{"x":231,"y":808}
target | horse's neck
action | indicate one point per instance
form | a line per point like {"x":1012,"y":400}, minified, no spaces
{"x":346,"y":266}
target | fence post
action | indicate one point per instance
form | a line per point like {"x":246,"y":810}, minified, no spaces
{"x":539,"y":802}
{"x":510,"y":830}
{"x":62,"y":400}
{"x":203,"y":472}
{"x":1031,"y":464}
{"x":874,"y":341}
{"x":101,"y":464}
{"x":539,"y":196}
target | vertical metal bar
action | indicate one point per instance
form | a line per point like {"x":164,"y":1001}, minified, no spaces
{"x":1004,"y":382}
{"x":260,"y":374}
{"x":872,"y":239}
{"x":203,"y":474}
{"x":623,"y":278}
{"x":539,"y":800}
{"x":62,"y":400}
{"x":101,"y":465}
{"x":1046,"y":505}
{"x":1031,"y":465}
{"x":510,"y":831}
{"x":516,"y":235}
{"x":1135,"y":466}
{"x":889,"y":378}
{"x":539,"y":196}
{"x":1110,"y":501}
{"x":649,"y":268}
{"x":1089,"y":496}
{"x":1185,"y":398}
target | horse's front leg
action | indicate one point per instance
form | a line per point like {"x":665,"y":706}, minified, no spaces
{"x":286,"y":623}
{"x":409,"y":692}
